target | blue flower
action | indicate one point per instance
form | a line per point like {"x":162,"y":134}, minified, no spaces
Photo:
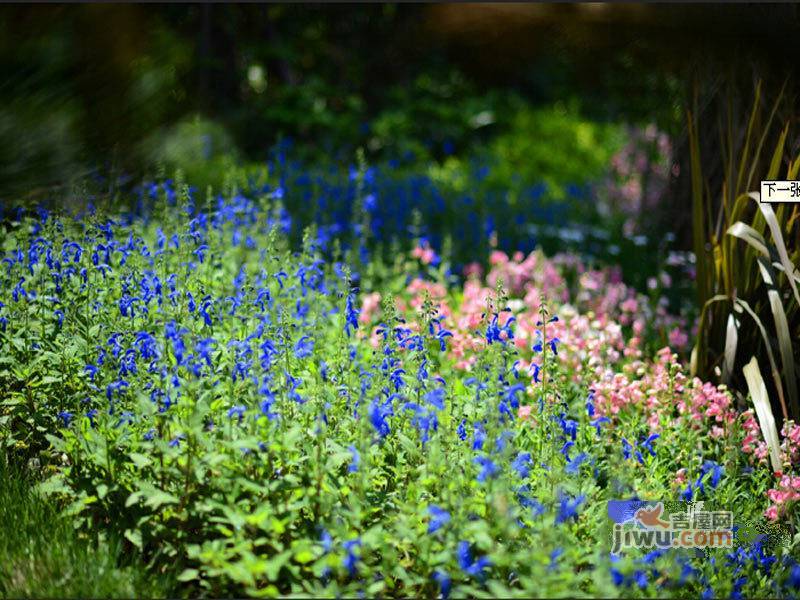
{"x":626,"y":448}
{"x":716,"y":471}
{"x":794,"y":577}
{"x":66,"y":417}
{"x":441,"y":336}
{"x":590,"y":404}
{"x":396,"y":378}
{"x":473,"y":568}
{"x":568,"y":507}
{"x":350,"y":561}
{"x":640,"y":578}
{"x":304,"y":347}
{"x":522,"y":464}
{"x":436,"y":398}
{"x":489,"y":470}
{"x":536,"y":369}
{"x":573,"y":466}
{"x":648,"y":443}
{"x":355,"y":461}
{"x":596,"y":423}
{"x":116,"y":387}
{"x":443,"y":579}
{"x":237,"y":411}
{"x":377,"y":416}
{"x":326,"y":540}
{"x":537,"y":508}
{"x":424,"y":420}
{"x":350,"y":315}
{"x":439,"y":518}
{"x":478,"y":437}
{"x":91,"y":371}
{"x":510,"y":394}
{"x":686,"y":495}
{"x":554,"y":556}
{"x":461,"y":430}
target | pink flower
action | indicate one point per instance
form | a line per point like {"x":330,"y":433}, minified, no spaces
{"x":630,"y":305}
{"x":680,"y":477}
{"x":678,"y":338}
{"x":369,"y":305}
{"x":473,"y":269}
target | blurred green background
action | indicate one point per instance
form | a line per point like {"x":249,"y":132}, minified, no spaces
{"x":543,"y":93}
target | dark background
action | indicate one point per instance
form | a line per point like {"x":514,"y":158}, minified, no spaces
{"x":92,"y":85}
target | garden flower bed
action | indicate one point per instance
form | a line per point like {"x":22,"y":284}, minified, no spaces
{"x":251,"y":422}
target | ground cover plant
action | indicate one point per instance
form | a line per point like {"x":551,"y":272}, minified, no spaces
{"x":257,"y":411}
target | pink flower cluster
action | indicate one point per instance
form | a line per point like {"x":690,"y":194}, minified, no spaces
{"x":601,"y":327}
{"x":753,"y":442}
{"x":787,"y":492}
{"x":784,"y":497}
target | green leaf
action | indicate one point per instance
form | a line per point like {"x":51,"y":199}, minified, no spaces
{"x":140,"y":460}
{"x":304,"y":556}
{"x":102,"y":490}
{"x":188,"y":575}
{"x":135,"y":537}
{"x":159,"y":498}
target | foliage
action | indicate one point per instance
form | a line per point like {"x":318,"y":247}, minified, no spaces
{"x":228,"y":403}
{"x":42,"y":556}
{"x":554,"y":146}
{"x":746,"y":275}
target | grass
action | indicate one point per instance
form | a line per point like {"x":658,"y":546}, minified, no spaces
{"x":42,"y":556}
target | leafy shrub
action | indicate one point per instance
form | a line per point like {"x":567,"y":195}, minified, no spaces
{"x":251,"y":424}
